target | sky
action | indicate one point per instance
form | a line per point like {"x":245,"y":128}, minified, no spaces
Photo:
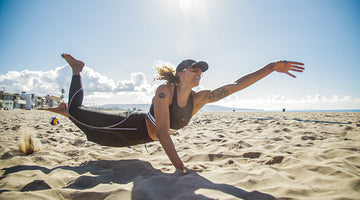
{"x":122,"y":41}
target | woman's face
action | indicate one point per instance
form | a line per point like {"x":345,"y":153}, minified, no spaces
{"x":191,"y":76}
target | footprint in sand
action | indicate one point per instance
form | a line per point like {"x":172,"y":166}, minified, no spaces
{"x":287,"y":130}
{"x":252,"y":155}
{"x":275,"y":160}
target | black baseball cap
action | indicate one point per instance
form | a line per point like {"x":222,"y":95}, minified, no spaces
{"x":192,"y":63}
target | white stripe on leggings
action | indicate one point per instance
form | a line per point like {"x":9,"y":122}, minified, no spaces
{"x":95,"y":127}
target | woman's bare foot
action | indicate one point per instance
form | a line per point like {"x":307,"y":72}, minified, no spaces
{"x":61,"y":109}
{"x":76,"y":65}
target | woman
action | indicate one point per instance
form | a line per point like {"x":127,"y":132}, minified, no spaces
{"x":172,"y":106}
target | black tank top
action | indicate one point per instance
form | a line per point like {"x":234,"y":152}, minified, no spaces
{"x":179,"y":117}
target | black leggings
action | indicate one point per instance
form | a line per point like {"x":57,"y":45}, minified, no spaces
{"x":104,"y":128}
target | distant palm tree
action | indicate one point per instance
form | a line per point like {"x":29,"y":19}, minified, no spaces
{"x":62,"y":95}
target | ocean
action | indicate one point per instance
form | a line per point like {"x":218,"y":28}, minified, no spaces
{"x":207,"y":108}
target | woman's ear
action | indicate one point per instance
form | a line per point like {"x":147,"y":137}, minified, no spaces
{"x":180,"y":74}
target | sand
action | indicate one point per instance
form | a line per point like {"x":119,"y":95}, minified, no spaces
{"x":250,"y":155}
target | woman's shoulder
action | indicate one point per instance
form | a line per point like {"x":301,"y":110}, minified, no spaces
{"x":164,"y":92}
{"x":165,"y":88}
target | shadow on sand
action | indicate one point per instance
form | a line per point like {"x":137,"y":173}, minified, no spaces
{"x":148,"y":183}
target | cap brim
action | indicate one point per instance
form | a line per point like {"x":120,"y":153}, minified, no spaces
{"x":202,"y":65}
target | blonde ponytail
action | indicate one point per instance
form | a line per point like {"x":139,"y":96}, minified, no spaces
{"x":166,"y":73}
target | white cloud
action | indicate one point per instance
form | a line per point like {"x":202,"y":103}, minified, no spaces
{"x":96,"y":85}
{"x":95,"y":82}
{"x":41,"y":83}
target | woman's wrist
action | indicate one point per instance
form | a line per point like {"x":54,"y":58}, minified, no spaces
{"x":271,"y":65}
{"x":181,"y":169}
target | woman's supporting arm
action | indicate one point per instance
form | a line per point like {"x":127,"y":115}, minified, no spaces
{"x":162,"y":116}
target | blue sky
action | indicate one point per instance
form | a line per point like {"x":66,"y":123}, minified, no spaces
{"x":120,"y":41}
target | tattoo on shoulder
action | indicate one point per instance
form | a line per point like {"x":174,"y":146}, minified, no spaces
{"x":218,"y":94}
{"x":162,"y":95}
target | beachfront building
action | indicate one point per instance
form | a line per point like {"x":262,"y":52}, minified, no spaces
{"x":6,"y":104}
{"x":6,"y":100}
{"x":29,"y":99}
{"x":40,"y":102}
{"x":19,"y":102}
{"x":52,"y":101}
{"x":26,"y":101}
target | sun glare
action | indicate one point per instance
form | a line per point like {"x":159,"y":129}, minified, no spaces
{"x":198,"y":8}
{"x":185,"y":5}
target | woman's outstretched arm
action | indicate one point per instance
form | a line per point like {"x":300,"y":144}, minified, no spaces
{"x":208,"y":96}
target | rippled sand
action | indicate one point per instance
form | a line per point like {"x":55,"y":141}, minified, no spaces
{"x":281,"y":155}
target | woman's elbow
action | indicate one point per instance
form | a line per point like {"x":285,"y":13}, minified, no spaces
{"x":161,"y":133}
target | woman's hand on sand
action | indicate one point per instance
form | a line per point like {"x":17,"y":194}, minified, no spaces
{"x":191,"y":168}
{"x":284,"y":66}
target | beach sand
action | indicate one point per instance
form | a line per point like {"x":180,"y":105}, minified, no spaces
{"x":277,"y":154}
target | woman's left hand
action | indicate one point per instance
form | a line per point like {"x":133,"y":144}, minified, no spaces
{"x":284,"y":66}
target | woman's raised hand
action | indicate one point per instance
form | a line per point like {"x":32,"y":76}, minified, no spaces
{"x":285,"y":66}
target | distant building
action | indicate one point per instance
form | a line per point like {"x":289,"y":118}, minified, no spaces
{"x":29,"y":99}
{"x":19,"y":102}
{"x":7,"y":100}
{"x":40,"y":102}
{"x":52,"y":101}
{"x":26,"y":101}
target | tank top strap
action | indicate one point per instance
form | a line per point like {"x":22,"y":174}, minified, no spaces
{"x":174,"y":100}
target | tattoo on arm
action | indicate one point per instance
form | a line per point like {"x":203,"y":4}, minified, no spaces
{"x":162,"y":95}
{"x":218,"y":94}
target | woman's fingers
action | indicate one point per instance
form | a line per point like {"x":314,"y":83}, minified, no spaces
{"x":297,"y":67}
{"x":296,"y":70}
{"x":294,"y":63}
{"x":291,"y":75}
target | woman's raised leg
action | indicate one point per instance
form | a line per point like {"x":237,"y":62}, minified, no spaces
{"x":77,"y":67}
